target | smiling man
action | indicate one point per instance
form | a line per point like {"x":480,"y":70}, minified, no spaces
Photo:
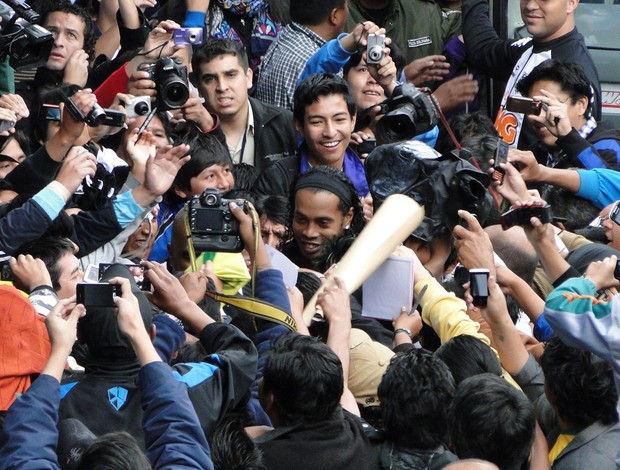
{"x":324,"y":208}
{"x":325,"y":117}
{"x":255,"y":133}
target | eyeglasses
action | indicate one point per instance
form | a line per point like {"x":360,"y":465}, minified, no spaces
{"x":613,"y":215}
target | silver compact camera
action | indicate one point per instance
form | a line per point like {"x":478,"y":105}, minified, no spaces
{"x":374,"y":48}
{"x":138,"y":106}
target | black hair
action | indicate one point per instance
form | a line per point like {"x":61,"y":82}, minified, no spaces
{"x":466,"y":356}
{"x":577,"y":211}
{"x":482,"y":147}
{"x":307,"y":283}
{"x":245,"y":176}
{"x":321,"y":84}
{"x":273,"y":207}
{"x":216,"y":47}
{"x":206,"y":150}
{"x":465,"y":125}
{"x":67,"y":7}
{"x":306,"y":379}
{"x":49,"y":250}
{"x":20,"y":137}
{"x":114,"y":451}
{"x":49,"y":95}
{"x":233,"y":449}
{"x":312,"y":12}
{"x":415,"y":393}
{"x":491,"y":420}
{"x":581,"y":384}
{"x":568,"y":75}
{"x":358,"y":222}
{"x":395,"y":53}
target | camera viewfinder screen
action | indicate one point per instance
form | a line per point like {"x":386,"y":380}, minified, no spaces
{"x":209,"y":220}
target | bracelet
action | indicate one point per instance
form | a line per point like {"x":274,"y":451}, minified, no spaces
{"x":407,"y":331}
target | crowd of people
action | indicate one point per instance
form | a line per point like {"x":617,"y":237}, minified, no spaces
{"x":178,"y":181}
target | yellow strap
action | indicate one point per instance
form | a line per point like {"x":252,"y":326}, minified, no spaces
{"x":257,"y":308}
{"x":250,"y":305}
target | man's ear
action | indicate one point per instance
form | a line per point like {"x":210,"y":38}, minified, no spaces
{"x":582,"y":105}
{"x":348,"y":218}
{"x":335,"y":16}
{"x":571,"y":6}
{"x":152,"y":332}
{"x":180,"y":193}
{"x":249,"y":75}
{"x":299,"y":126}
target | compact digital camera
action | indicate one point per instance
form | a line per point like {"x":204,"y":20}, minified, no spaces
{"x":374,"y":48}
{"x":138,"y":106}
{"x":191,"y":36}
{"x":213,"y":227}
{"x":170,"y":77}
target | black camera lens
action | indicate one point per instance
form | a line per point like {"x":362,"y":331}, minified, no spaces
{"x":175,"y":94}
{"x":97,"y":115}
{"x":141,"y":108}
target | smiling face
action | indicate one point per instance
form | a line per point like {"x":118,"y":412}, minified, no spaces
{"x":548,"y":19}
{"x":317,"y":220}
{"x":576,"y":111}
{"x":224,"y":85}
{"x":70,"y":274}
{"x":68,"y":32}
{"x":141,"y":241}
{"x":326,"y":130}
{"x":365,"y":89}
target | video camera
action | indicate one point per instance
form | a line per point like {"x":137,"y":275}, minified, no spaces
{"x":27,"y":44}
{"x":213,"y":227}
{"x":409,"y":112}
{"x":170,"y":77}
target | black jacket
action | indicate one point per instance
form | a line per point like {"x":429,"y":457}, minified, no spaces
{"x":274,"y":134}
{"x":106,"y":398}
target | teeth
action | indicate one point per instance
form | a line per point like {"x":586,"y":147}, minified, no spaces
{"x":330,"y":144}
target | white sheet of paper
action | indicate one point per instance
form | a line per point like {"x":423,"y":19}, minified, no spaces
{"x":388,"y":289}
{"x":280,"y":262}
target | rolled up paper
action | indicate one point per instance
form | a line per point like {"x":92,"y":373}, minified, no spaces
{"x":396,"y":219}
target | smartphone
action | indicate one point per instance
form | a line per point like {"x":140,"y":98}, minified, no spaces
{"x":97,"y":295}
{"x":501,"y":156}
{"x":479,"y":286}
{"x":138,"y":274}
{"x":523,"y":105}
{"x":521,"y":216}
{"x":5,"y":272}
{"x":366,"y":146}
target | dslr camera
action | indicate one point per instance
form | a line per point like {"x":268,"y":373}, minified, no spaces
{"x":374,"y":48}
{"x":409,"y":112}
{"x":27,"y":44}
{"x":170,"y":77}
{"x":213,"y":227}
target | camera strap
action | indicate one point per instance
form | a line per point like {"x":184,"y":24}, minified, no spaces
{"x":250,"y":305}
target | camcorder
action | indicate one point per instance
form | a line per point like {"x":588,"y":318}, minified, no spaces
{"x":98,"y":116}
{"x":188,"y":36}
{"x":521,"y":216}
{"x":409,"y":112}
{"x":374,"y":48}
{"x":170,"y":77}
{"x":213,"y":227}
{"x":27,"y":44}
{"x":97,"y":295}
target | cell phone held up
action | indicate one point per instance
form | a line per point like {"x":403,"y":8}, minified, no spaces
{"x":479,"y":286}
{"x":521,"y":216}
{"x":97,"y":295}
{"x":523,"y":105}
{"x":501,"y":156}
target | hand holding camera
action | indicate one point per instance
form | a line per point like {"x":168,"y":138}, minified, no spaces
{"x":473,"y":244}
{"x":78,"y":164}
{"x":61,"y":325}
